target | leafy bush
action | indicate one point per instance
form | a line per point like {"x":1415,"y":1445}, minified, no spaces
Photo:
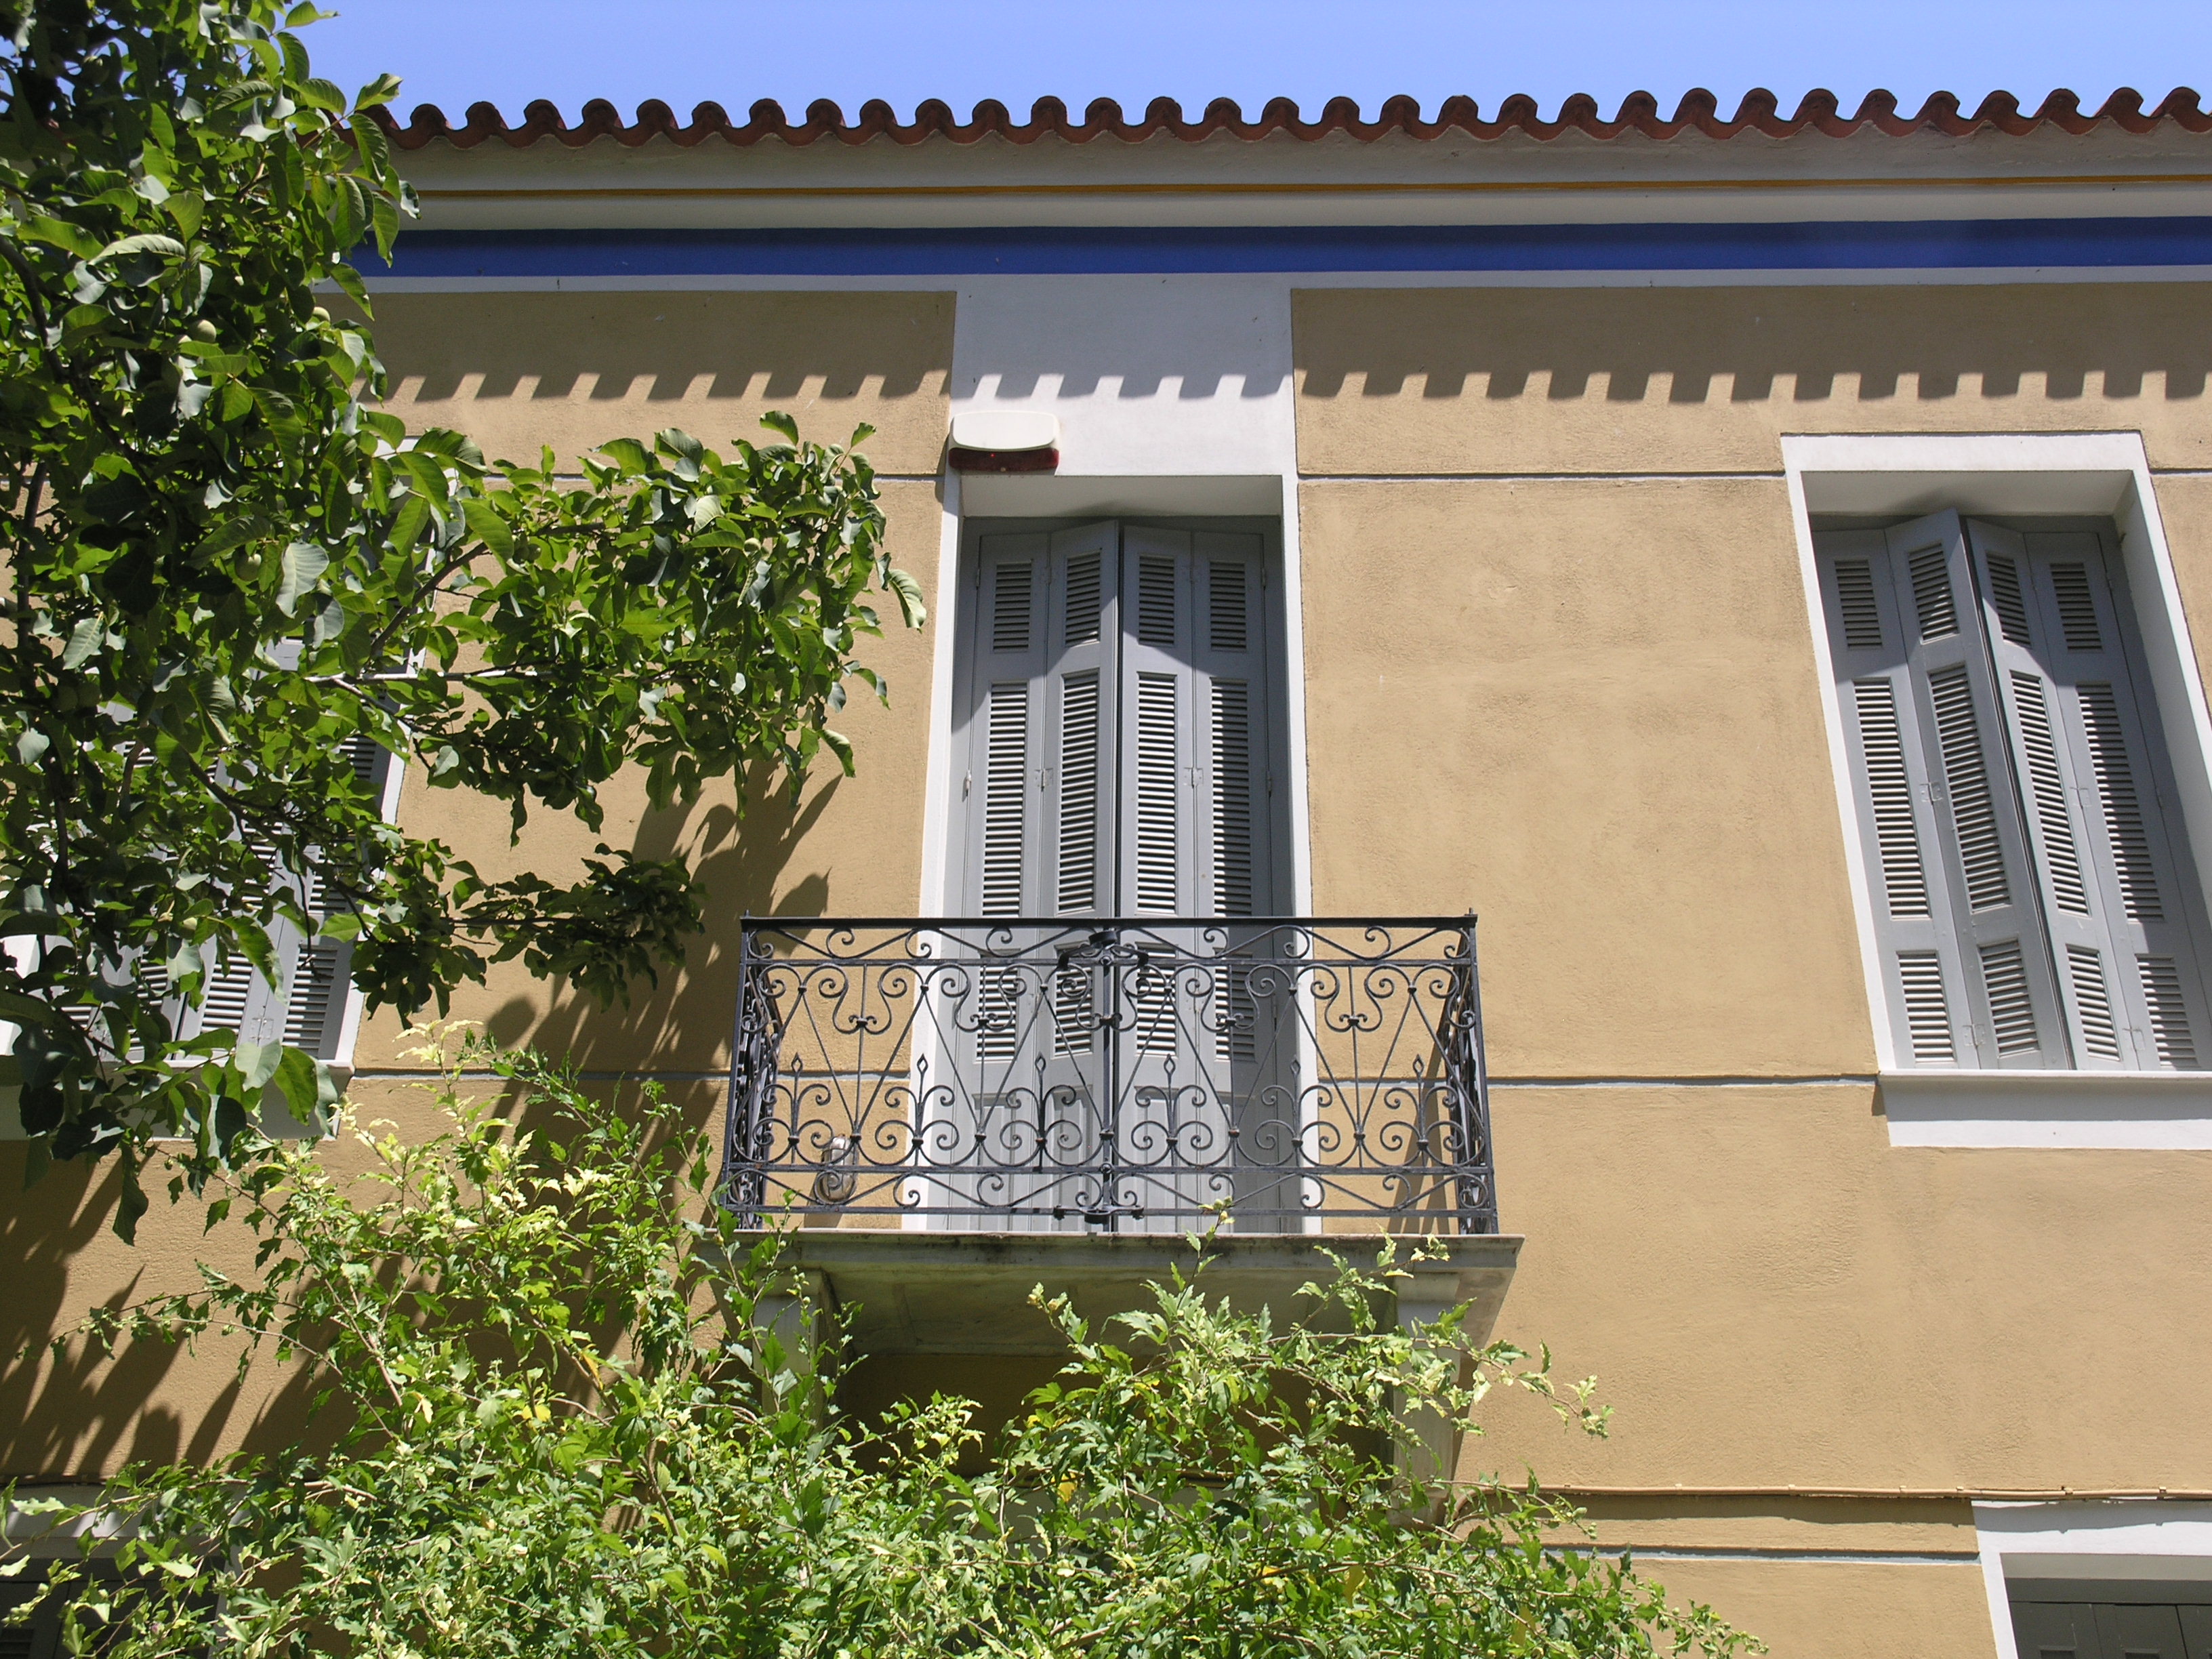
{"x":571,"y":1427}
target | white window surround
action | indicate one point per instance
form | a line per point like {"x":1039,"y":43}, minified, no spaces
{"x":2134,"y":1541}
{"x":2105,"y":474}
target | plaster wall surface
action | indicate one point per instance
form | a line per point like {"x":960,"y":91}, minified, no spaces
{"x":1586,"y":710}
{"x":519,"y":371}
{"x":1558,"y":668}
{"x":1841,"y":1609}
{"x":1664,"y":381}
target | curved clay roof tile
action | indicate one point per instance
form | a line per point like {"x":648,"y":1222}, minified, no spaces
{"x":1758,"y":110}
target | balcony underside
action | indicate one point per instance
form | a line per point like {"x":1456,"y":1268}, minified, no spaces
{"x":910,"y":1290}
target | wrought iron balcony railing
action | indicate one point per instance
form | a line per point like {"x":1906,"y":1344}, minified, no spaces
{"x":1078,"y":1074}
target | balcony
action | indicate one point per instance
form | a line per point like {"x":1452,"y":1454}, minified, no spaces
{"x":933,"y":1109}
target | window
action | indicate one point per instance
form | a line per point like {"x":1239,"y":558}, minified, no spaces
{"x":2062,"y":1619}
{"x":1118,"y":687}
{"x":2034,"y":903}
{"x":307,"y":1007}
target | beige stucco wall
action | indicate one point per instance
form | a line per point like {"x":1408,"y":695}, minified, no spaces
{"x":1588,"y":712}
{"x":1704,"y":380}
{"x":516,"y":372}
{"x":1559,"y":669}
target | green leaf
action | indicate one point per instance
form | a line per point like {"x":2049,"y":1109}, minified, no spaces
{"x":144,"y":242}
{"x":297,"y":1079}
{"x":256,"y":1062}
{"x":368,"y":133}
{"x":31,"y":745}
{"x":907,"y":591}
{"x":379,"y":92}
{"x":129,"y":1205}
{"x":187,"y":208}
{"x":628,"y":454}
{"x":84,"y":640}
{"x":776,"y":420}
{"x":59,"y":233}
{"x":304,"y":565}
{"x":487,"y":527}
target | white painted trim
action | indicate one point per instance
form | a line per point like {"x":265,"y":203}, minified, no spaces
{"x":2104,"y":473}
{"x":2136,"y":1111}
{"x":1293,"y":613}
{"x":1906,"y":276}
{"x":937,"y":898}
{"x":1839,"y":763}
{"x":395,"y":778}
{"x":1133,"y":495}
{"x":2124,"y":1539}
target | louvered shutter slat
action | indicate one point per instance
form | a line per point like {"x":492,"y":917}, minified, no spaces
{"x":1084,"y":620}
{"x":2011,"y":987}
{"x":2019,"y":644}
{"x":1006,"y":853}
{"x":2144,"y":922}
{"x":1874,"y":613}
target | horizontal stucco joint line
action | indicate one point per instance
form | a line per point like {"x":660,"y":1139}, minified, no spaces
{"x":1779,"y":1552}
{"x":1908,"y":1494}
{"x":1775,"y":476}
{"x":648,"y":1074}
{"x":1840,"y":1080}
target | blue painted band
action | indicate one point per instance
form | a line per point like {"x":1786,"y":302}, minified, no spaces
{"x":1934,"y":245}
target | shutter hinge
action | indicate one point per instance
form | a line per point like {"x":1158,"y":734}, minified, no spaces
{"x":967,"y":784}
{"x":1271,"y":783}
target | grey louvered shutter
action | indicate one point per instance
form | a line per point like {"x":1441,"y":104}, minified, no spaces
{"x":1974,"y":946}
{"x":1005,"y":849}
{"x":1159,"y":816}
{"x":2043,"y":772}
{"x":1084,"y":629}
{"x":1871,"y":627}
{"x":234,"y":997}
{"x":322,"y":971}
{"x":1230,"y":695}
{"x":1038,"y":783}
{"x":2126,"y":922}
{"x":1196,"y":709}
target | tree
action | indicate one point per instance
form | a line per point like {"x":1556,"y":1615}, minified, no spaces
{"x":574,"y":1429}
{"x":226,"y":572}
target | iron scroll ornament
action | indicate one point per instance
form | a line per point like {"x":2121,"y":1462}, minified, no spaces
{"x":1110,"y":1074}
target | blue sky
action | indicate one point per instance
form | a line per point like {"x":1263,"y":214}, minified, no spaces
{"x":453,"y":52}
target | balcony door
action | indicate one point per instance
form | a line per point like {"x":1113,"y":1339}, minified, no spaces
{"x":1119,"y":690}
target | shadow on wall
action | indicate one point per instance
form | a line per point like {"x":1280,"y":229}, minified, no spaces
{"x":78,"y":1415}
{"x":1192,"y":383}
{"x":743,"y":861}
{"x":666,"y":347}
{"x":1754,"y":344}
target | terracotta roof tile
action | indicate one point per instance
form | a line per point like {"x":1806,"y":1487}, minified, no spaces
{"x":1700,"y":111}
